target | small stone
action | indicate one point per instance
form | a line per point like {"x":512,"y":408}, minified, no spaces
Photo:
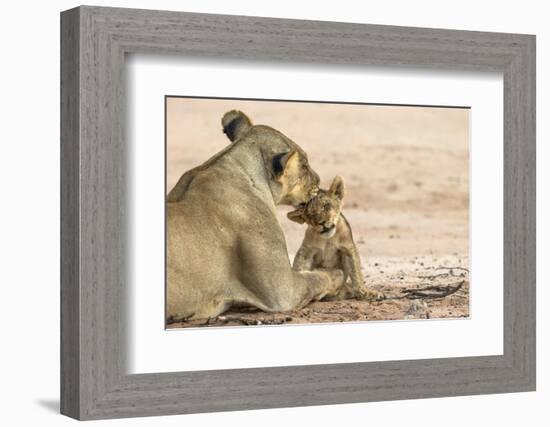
{"x":416,"y":309}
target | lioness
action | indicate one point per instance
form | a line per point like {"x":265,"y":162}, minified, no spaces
{"x":225,"y":245}
{"x":328,"y":241}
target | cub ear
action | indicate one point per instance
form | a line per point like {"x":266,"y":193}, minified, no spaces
{"x":296,"y":216}
{"x":337,"y":188}
{"x":235,"y":124}
{"x":284,"y":161}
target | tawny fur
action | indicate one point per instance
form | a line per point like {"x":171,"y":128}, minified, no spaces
{"x":328,"y":241}
{"x":225,"y":245}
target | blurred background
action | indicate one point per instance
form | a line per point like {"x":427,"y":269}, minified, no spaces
{"x":406,"y":169}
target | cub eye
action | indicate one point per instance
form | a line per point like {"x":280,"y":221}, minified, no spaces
{"x":327,"y":207}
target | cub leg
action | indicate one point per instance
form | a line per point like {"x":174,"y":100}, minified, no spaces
{"x":352,"y":266}
{"x":347,"y":291}
{"x":303,"y":261}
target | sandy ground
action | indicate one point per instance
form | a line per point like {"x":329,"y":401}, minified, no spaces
{"x":406,"y":171}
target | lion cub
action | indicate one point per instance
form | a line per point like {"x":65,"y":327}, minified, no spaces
{"x":328,"y":242}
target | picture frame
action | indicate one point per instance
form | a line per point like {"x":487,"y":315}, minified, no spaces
{"x":94,"y":268}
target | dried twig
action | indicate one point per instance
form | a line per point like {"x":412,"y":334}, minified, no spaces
{"x":434,"y":276}
{"x":450,"y":273}
{"x":429,"y":292}
{"x":245,"y":320}
{"x":436,"y":291}
{"x":173,"y":319}
{"x":240,"y":319}
{"x":452,"y":268}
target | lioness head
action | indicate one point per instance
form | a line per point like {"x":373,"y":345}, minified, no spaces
{"x":291,"y":179}
{"x":322,"y":212}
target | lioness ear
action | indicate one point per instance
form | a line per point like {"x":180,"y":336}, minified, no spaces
{"x":337,"y":188}
{"x":296,"y":216}
{"x":235,"y":124}
{"x":284,"y":161}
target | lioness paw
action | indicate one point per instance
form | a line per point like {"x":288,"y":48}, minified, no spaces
{"x":370,"y":295}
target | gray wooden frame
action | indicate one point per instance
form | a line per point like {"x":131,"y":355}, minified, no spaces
{"x":94,"y":382}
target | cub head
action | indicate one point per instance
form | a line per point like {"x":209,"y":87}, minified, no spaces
{"x":291,"y":179}
{"x":322,"y":211}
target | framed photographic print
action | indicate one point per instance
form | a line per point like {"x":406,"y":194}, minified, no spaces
{"x":369,"y":169}
{"x":349,"y":208}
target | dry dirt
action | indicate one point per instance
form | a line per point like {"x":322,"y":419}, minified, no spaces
{"x":406,"y":171}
